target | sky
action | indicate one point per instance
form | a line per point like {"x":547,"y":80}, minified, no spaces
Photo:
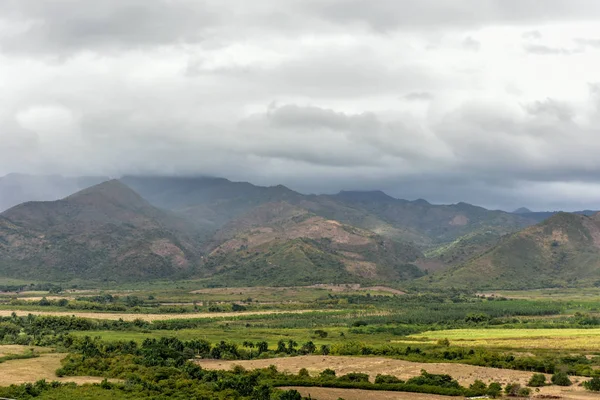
{"x":492,"y":102}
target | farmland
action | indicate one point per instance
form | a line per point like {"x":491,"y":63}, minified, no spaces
{"x":347,"y":329}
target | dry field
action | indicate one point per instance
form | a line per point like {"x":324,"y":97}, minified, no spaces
{"x":357,"y":394}
{"x":33,"y":369}
{"x":7,"y":349}
{"x":465,"y":374}
{"x":149,"y":317}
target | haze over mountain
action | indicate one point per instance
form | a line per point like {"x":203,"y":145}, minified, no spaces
{"x":103,"y":232}
{"x":19,"y":188}
{"x":447,"y":101}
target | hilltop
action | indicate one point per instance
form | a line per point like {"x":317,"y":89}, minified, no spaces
{"x":104,"y":232}
{"x":562,"y":250}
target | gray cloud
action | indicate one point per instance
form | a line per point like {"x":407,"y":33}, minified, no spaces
{"x":306,"y":93}
{"x":588,"y":42}
{"x":548,"y":50}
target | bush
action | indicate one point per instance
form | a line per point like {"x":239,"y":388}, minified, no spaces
{"x":512,"y":389}
{"x":593,"y":384}
{"x":537,"y":380}
{"x":290,"y":395}
{"x":354,"y":377}
{"x":327,"y":374}
{"x":387,"y":379}
{"x":561,"y":379}
{"x":303,"y":372}
{"x":478,"y":388}
{"x":494,"y":390}
{"x":443,"y":342}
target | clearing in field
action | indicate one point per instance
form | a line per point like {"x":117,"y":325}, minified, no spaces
{"x":16,"y":372}
{"x":565,"y":339}
{"x":464,"y":374}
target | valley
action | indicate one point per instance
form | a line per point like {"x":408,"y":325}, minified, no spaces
{"x":150,"y":286}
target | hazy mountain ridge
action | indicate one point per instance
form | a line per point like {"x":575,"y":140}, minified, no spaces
{"x":103,"y":232}
{"x":20,"y":188}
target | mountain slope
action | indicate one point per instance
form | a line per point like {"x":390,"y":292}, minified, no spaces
{"x":283,"y":244}
{"x":563,"y":250}
{"x":19,"y":188}
{"x":103,"y":232}
{"x":436,"y":224}
{"x":212,"y":202}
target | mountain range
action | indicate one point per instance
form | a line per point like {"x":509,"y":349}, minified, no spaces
{"x":236,"y":233}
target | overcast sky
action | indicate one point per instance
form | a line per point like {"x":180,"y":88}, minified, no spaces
{"x":493,"y":102}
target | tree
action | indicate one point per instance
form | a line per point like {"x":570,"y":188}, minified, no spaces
{"x":308,"y":348}
{"x":494,"y":390}
{"x":327,"y":374}
{"x":478,"y":388}
{"x":292,"y":344}
{"x":325,"y":349}
{"x":561,"y":379}
{"x":537,"y":380}
{"x":593,"y":384}
{"x":303,"y":373}
{"x":281,"y":346}
{"x":262,"y":347}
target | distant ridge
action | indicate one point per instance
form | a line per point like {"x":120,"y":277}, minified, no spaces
{"x":103,"y":232}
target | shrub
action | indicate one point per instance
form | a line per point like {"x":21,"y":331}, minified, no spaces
{"x":303,"y":372}
{"x":387,"y":379}
{"x":478,"y":388}
{"x":290,"y":395}
{"x":593,"y":384}
{"x":494,"y":390}
{"x":561,"y":379}
{"x":512,"y":389}
{"x":354,"y":377}
{"x":327,"y":374}
{"x":443,"y":342}
{"x":537,"y":380}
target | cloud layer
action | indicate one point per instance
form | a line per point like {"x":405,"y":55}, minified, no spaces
{"x":491,"y":102}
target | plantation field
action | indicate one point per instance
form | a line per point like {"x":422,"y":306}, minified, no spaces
{"x":239,"y":335}
{"x":150,"y":317}
{"x":564,"y":339}
{"x":557,"y":294}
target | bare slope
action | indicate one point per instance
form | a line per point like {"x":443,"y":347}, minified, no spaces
{"x":279,"y":243}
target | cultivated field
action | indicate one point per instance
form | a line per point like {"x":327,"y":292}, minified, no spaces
{"x":564,"y":339}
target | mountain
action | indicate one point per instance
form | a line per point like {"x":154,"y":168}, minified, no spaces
{"x":282,"y":244}
{"x":19,"y":188}
{"x":562,"y":250}
{"x":522,"y":210}
{"x":539,"y":216}
{"x":431,"y":225}
{"x":207,"y":202}
{"x":104,"y":232}
{"x":211,"y":202}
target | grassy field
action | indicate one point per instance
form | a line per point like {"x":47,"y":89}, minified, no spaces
{"x":564,"y":339}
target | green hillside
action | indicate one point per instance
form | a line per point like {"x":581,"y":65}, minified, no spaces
{"x":561,"y":251}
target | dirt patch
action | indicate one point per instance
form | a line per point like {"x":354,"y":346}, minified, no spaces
{"x":459,"y":220}
{"x":149,"y":317}
{"x":465,"y":374}
{"x":350,"y":287}
{"x":33,"y":369}
{"x":7,"y":349}
{"x":356,"y":394}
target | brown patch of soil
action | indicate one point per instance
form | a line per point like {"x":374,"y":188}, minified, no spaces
{"x":357,"y":394}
